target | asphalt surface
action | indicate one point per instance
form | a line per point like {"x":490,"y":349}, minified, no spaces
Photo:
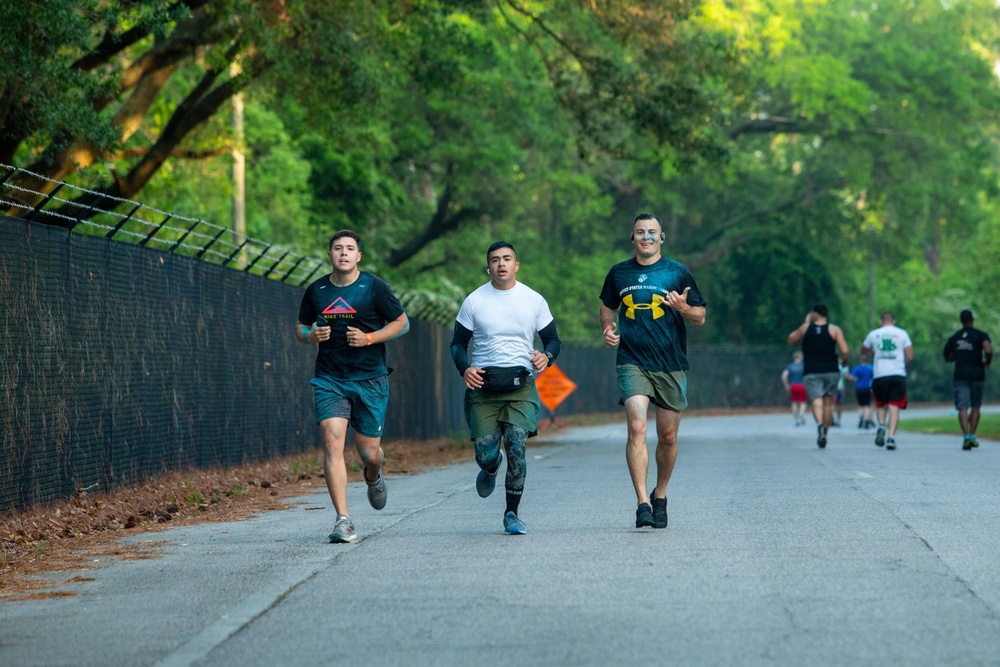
{"x":777,"y":553}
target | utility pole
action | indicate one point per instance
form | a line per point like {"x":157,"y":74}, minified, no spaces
{"x":239,"y":166}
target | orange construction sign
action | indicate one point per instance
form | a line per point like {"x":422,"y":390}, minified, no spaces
{"x":553,"y":387}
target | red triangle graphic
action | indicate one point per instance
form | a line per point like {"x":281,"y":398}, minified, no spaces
{"x":339,"y":307}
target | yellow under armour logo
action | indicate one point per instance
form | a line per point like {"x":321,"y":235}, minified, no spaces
{"x":654,"y":306}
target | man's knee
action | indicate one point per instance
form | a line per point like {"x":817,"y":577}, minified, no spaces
{"x":487,"y":448}
{"x":369,"y":455}
{"x":667,"y":440}
{"x":514,"y":436}
{"x":637,"y":427}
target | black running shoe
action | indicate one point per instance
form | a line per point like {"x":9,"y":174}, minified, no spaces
{"x":644,"y":516}
{"x":890,"y":444}
{"x":880,"y":436}
{"x":821,"y":436}
{"x":659,"y":511}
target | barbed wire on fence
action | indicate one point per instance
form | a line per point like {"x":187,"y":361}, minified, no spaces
{"x":148,"y":226}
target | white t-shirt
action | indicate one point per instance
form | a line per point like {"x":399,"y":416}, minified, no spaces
{"x":888,"y":343}
{"x":503,"y":324}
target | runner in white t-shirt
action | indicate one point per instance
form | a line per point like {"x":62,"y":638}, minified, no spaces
{"x":891,"y":350}
{"x":500,"y":320}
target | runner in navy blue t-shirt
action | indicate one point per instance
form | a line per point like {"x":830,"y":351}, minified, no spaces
{"x":350,"y":314}
{"x":653,"y":299}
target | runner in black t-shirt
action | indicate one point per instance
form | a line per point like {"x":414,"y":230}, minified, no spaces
{"x":653,"y":299}
{"x":351,"y":314}
{"x":972,"y":353}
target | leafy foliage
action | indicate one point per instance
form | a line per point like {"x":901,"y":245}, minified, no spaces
{"x":829,"y":150}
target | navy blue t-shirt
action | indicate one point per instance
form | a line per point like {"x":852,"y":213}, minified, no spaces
{"x":653,"y":336}
{"x":367,"y":304}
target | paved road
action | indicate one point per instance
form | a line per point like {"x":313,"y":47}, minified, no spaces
{"x":777,"y":553}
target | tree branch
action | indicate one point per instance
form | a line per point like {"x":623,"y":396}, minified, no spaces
{"x":720,"y":242}
{"x":440,"y":224}
{"x":113,"y":44}
{"x":200,"y":104}
{"x":184,"y":153}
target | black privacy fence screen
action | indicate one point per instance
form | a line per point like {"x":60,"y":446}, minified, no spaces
{"x":118,"y":362}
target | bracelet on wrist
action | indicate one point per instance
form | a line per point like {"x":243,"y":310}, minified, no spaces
{"x":369,"y":338}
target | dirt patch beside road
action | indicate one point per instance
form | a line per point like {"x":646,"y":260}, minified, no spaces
{"x":71,"y":536}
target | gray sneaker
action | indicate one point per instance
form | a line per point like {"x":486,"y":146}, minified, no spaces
{"x":377,"y":495}
{"x":343,"y":530}
{"x":890,"y":444}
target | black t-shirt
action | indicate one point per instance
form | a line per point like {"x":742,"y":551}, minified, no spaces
{"x":367,"y":304}
{"x":819,"y":350}
{"x":967,"y":347}
{"x":654,"y":337}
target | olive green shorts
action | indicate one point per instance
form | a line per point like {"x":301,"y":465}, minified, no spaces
{"x":484,"y":411}
{"x":666,"y":389}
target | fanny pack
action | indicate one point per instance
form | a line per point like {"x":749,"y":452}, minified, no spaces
{"x":503,"y":378}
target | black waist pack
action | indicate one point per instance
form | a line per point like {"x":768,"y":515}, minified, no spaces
{"x":499,"y":379}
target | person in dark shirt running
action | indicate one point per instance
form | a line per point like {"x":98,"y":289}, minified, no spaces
{"x":821,"y":373}
{"x":350,"y":314}
{"x":972,"y":353}
{"x":654,"y":298}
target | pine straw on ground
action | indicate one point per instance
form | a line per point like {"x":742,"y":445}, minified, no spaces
{"x":68,"y":536}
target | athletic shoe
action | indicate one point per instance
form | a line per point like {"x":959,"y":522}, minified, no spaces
{"x":644,"y":516}
{"x":512,"y":525}
{"x":880,"y":436}
{"x":967,"y":443}
{"x":659,"y":511}
{"x":861,"y":423}
{"x":486,"y":482}
{"x":343,"y":530}
{"x":821,"y":435}
{"x":377,"y":494}
{"x":890,"y":444}
{"x":975,"y":443}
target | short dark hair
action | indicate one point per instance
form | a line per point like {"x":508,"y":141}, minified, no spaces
{"x":646,"y":216}
{"x":886,"y":316}
{"x":821,"y":310}
{"x":966,"y":317}
{"x":497,"y":245}
{"x":345,"y":232}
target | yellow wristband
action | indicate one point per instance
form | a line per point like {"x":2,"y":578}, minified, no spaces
{"x":369,"y":338}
